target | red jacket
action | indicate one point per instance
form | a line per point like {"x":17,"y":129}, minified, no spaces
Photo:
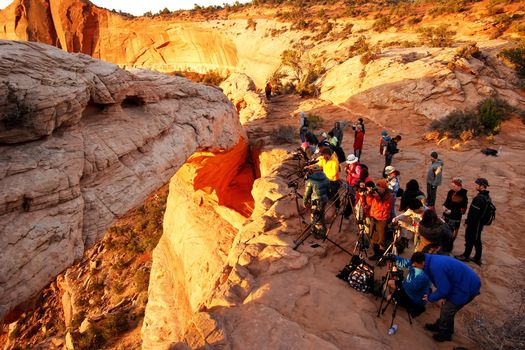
{"x":380,"y":207}
{"x":353,"y":173}
{"x":358,"y":141}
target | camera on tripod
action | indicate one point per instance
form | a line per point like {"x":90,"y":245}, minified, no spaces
{"x":293,"y":184}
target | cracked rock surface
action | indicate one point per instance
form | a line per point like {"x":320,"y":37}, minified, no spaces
{"x":81,"y":143}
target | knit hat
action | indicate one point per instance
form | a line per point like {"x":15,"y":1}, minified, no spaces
{"x":381,"y":183}
{"x":351,"y":159}
{"x":325,"y":135}
{"x":302,"y":115}
{"x":482,"y":182}
{"x":434,"y":155}
{"x":457,"y":181}
{"x":304,"y":145}
{"x":389,"y":169}
{"x":384,"y":133}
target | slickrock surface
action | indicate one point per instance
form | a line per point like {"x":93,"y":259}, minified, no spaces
{"x":241,"y":90}
{"x":81,"y":143}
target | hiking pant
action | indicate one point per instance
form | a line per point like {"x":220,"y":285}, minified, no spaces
{"x":431,"y":195}
{"x":378,"y":228}
{"x":357,"y":153}
{"x":446,"y":318}
{"x":473,"y":239}
{"x":388,"y":161}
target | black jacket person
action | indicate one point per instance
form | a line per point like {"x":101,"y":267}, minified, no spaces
{"x":474,"y":225}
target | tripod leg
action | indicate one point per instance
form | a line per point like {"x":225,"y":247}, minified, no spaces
{"x":303,"y":236}
{"x":393,"y":314}
{"x":338,"y":246}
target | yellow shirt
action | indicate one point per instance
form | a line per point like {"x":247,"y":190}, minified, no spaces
{"x":330,"y":167}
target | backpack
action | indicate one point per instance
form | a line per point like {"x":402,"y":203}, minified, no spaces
{"x":391,"y":147}
{"x":489,"y":214}
{"x":341,"y":157}
{"x":358,"y":274}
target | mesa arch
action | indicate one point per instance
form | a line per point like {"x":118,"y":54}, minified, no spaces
{"x":81,"y":143}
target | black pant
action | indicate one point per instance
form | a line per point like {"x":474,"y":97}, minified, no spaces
{"x":357,"y":153}
{"x":332,"y":193}
{"x":388,"y":161}
{"x":446,"y":318}
{"x":431,"y":195}
{"x":473,"y":239}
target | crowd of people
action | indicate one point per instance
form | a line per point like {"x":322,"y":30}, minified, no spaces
{"x":374,"y":204}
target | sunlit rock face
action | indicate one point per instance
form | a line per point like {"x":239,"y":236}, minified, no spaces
{"x":154,"y":43}
{"x":81,"y":143}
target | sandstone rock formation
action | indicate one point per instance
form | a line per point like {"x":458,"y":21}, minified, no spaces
{"x":422,"y":81}
{"x":81,"y":143}
{"x":240,"y":89}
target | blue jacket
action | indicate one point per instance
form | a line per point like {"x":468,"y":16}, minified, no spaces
{"x":416,"y":283}
{"x":454,"y":280}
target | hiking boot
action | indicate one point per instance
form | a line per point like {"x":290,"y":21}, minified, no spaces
{"x":440,"y":337}
{"x":462,"y":258}
{"x":476,"y":261}
{"x":433,"y":327}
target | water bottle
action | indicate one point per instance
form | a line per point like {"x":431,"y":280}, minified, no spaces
{"x":392,"y":330}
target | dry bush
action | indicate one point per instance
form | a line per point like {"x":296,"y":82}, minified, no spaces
{"x":382,"y":23}
{"x":284,"y":134}
{"x":432,"y":135}
{"x":436,"y":36}
{"x":315,"y":121}
{"x":486,"y":333}
{"x":515,"y":57}
{"x":468,"y":51}
{"x":251,"y":24}
{"x":485,"y":120}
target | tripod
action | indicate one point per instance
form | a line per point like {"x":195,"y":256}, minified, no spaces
{"x":318,"y":228}
{"x":363,"y":240}
{"x":393,"y":300}
{"x":392,"y":248}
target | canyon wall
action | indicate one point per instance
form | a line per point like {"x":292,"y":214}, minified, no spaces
{"x":81,"y":143}
{"x":154,"y":43}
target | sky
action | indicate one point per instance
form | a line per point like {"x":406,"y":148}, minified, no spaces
{"x":138,"y":8}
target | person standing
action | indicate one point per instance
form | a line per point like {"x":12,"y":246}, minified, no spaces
{"x":303,"y":126}
{"x":393,"y":185}
{"x":358,"y":141}
{"x":379,"y":201}
{"x":391,"y":149}
{"x":316,"y":196}
{"x":412,"y":191}
{"x":455,"y":205}
{"x":456,"y":284}
{"x":361,"y":123}
{"x":434,"y":176}
{"x":330,"y":165}
{"x":338,"y":133}
{"x":474,"y":222}
{"x":268,"y":90}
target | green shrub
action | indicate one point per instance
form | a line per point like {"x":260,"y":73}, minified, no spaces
{"x":113,"y":325}
{"x":284,"y":134}
{"x":141,"y":279}
{"x":447,"y":6}
{"x":436,"y":36}
{"x":469,"y":50}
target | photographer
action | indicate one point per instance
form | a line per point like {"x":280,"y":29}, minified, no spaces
{"x":362,"y":210}
{"x":410,"y":219}
{"x":409,"y":292}
{"x":380,"y":202}
{"x":316,"y":195}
